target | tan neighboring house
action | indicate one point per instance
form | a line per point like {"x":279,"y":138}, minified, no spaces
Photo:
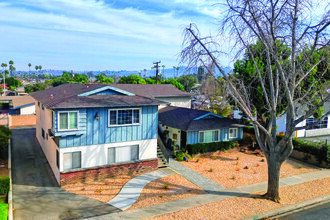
{"x":163,"y":92}
{"x":18,"y":105}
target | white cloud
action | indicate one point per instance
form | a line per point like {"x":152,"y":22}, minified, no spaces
{"x":93,"y":32}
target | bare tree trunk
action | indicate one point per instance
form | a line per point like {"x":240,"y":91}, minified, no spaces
{"x":274,"y":168}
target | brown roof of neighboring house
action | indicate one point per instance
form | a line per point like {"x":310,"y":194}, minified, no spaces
{"x":18,"y":101}
{"x":66,"y":96}
{"x":152,"y":90}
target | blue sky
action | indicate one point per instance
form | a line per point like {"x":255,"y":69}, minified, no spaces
{"x":99,"y":35}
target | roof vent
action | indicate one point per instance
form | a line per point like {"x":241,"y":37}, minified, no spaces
{"x":87,"y":86}
{"x":51,"y":96}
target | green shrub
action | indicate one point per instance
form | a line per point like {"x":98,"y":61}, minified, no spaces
{"x":245,"y":141}
{"x":5,"y":134}
{"x":249,"y":130}
{"x":210,"y":147}
{"x":4,"y":185}
{"x":320,"y":150}
{"x":181,"y":154}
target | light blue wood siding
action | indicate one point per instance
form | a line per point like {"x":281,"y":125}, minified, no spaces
{"x":224,"y":135}
{"x":98,"y":131}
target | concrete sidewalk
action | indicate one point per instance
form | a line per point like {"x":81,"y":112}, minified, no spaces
{"x":133,"y":188}
{"x":177,"y":205}
{"x":198,"y":179}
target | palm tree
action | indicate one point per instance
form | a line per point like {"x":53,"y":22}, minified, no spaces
{"x":145,"y":71}
{"x":177,"y":71}
{"x":40,"y":67}
{"x":174,"y":67}
{"x":36,"y":67}
{"x":29,"y":67}
{"x":4,"y":65}
{"x":11,"y":67}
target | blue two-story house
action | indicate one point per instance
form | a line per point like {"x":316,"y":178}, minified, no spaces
{"x":96,"y":131}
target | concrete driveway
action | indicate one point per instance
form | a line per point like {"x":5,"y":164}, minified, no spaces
{"x":36,"y":194}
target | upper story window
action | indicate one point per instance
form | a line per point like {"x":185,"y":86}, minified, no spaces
{"x":119,"y":117}
{"x":311,"y":123}
{"x":232,"y":132}
{"x":208,"y":136}
{"x":68,"y":120}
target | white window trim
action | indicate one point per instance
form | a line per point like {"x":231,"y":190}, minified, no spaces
{"x":116,"y":109}
{"x":132,"y":161}
{"x":58,"y":121}
{"x":236,"y":132}
{"x":210,"y":141}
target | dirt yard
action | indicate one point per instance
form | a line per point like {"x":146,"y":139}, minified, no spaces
{"x":234,"y":169}
{"x":166,"y":189}
{"x":245,"y":206}
{"x":158,"y":191}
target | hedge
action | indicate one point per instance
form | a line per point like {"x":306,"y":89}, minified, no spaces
{"x":209,"y":147}
{"x":320,"y":150}
{"x":4,"y":185}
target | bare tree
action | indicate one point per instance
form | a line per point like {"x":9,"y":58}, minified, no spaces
{"x":284,"y":81}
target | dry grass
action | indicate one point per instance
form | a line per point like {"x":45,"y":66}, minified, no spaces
{"x":247,"y":170}
{"x":240,"y":207}
{"x":155,"y":192}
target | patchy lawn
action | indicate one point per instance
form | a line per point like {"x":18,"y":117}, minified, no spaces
{"x":234,"y":169}
{"x":245,"y":206}
{"x":3,"y":208}
{"x":166,"y":189}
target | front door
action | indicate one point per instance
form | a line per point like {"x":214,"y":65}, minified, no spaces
{"x":183,"y":142}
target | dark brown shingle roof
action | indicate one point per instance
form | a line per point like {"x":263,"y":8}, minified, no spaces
{"x":184,"y":119}
{"x":152,"y":90}
{"x":66,"y":96}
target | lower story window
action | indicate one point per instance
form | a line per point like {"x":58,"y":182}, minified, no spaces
{"x":43,"y":133}
{"x":208,"y":136}
{"x":72,"y":160}
{"x":123,"y":154}
{"x":232,"y":132}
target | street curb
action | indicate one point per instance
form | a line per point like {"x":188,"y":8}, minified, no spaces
{"x":291,"y":208}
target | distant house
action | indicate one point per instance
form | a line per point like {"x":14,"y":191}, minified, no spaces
{"x":191,"y":126}
{"x":314,"y":131}
{"x":163,"y":92}
{"x":96,"y":131}
{"x":17,"y":105}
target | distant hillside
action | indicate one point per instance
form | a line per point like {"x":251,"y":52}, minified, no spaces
{"x":169,"y":72}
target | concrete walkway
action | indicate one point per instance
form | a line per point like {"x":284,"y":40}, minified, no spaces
{"x":190,"y":202}
{"x":133,"y":188}
{"x":199,"y":180}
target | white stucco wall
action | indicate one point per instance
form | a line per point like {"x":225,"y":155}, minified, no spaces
{"x":96,"y":155}
{"x":184,"y":102}
{"x":28,"y":110}
{"x":43,"y":120}
{"x":172,"y":131}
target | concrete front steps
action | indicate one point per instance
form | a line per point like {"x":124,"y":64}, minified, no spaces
{"x":162,"y":162}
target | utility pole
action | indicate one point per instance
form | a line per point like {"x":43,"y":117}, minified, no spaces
{"x":156,"y":65}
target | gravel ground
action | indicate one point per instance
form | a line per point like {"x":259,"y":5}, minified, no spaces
{"x":245,"y":206}
{"x":166,"y":189}
{"x":237,"y":169}
{"x":103,"y":191}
